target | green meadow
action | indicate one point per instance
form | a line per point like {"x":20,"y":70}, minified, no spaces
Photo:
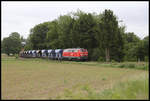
{"x":24,"y":78}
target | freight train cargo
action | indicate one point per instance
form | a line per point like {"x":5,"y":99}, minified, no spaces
{"x":57,"y":54}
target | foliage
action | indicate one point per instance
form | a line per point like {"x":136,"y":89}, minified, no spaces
{"x":109,"y":31}
{"x":80,"y":29}
{"x":38,"y":36}
{"x":99,"y":33}
{"x":29,"y":44}
{"x":135,"y":49}
{"x":113,"y":61}
{"x":12,"y":44}
{"x":127,"y":66}
{"x":101,"y":59}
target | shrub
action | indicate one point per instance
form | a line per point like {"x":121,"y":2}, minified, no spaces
{"x":146,"y":58}
{"x":122,"y":65}
{"x":101,"y":59}
{"x":131,"y":66}
{"x":94,"y":54}
{"x":127,"y":66}
{"x":113,"y":61}
{"x":145,"y":67}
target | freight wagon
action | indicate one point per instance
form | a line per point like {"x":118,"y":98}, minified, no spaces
{"x":58,"y":54}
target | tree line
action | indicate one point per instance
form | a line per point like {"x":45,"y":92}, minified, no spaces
{"x":12,"y":44}
{"x":100,"y":34}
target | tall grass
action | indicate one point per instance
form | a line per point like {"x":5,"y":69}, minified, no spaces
{"x":133,"y":65}
{"x":132,"y":89}
{"x":136,"y":89}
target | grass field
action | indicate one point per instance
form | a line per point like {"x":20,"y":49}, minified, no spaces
{"x":47,"y":79}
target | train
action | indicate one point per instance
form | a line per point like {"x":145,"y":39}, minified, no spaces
{"x":57,"y":54}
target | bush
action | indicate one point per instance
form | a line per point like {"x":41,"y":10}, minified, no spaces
{"x":145,"y":67}
{"x":136,"y":66}
{"x":101,"y":59}
{"x":131,"y":66}
{"x":146,"y":58}
{"x":95,"y":53}
{"x":122,"y":65}
{"x":127,"y":66}
{"x":113,"y":61}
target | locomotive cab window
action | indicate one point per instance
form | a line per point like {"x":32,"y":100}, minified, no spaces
{"x":83,"y":50}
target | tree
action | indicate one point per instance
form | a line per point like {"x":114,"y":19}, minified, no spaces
{"x":52,"y":35}
{"x":83,"y":32}
{"x":130,"y":37}
{"x":100,"y":34}
{"x":139,"y":51}
{"x":29,"y":44}
{"x":142,"y":49}
{"x":146,"y":45}
{"x":38,"y":36}
{"x":131,"y":46}
{"x":6,"y":45}
{"x":23,"y":39}
{"x":12,"y":44}
{"x":2,"y":49}
{"x":65,"y":24}
{"x":117,"y":48}
{"x":109,"y":34}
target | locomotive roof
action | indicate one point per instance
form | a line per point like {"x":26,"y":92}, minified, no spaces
{"x":75,"y":48}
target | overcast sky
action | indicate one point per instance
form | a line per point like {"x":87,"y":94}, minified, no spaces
{"x":21,"y":16}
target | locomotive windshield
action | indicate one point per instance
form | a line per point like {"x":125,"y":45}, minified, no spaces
{"x":83,"y":50}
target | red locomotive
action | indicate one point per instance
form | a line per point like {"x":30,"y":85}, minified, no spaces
{"x":75,"y":53}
